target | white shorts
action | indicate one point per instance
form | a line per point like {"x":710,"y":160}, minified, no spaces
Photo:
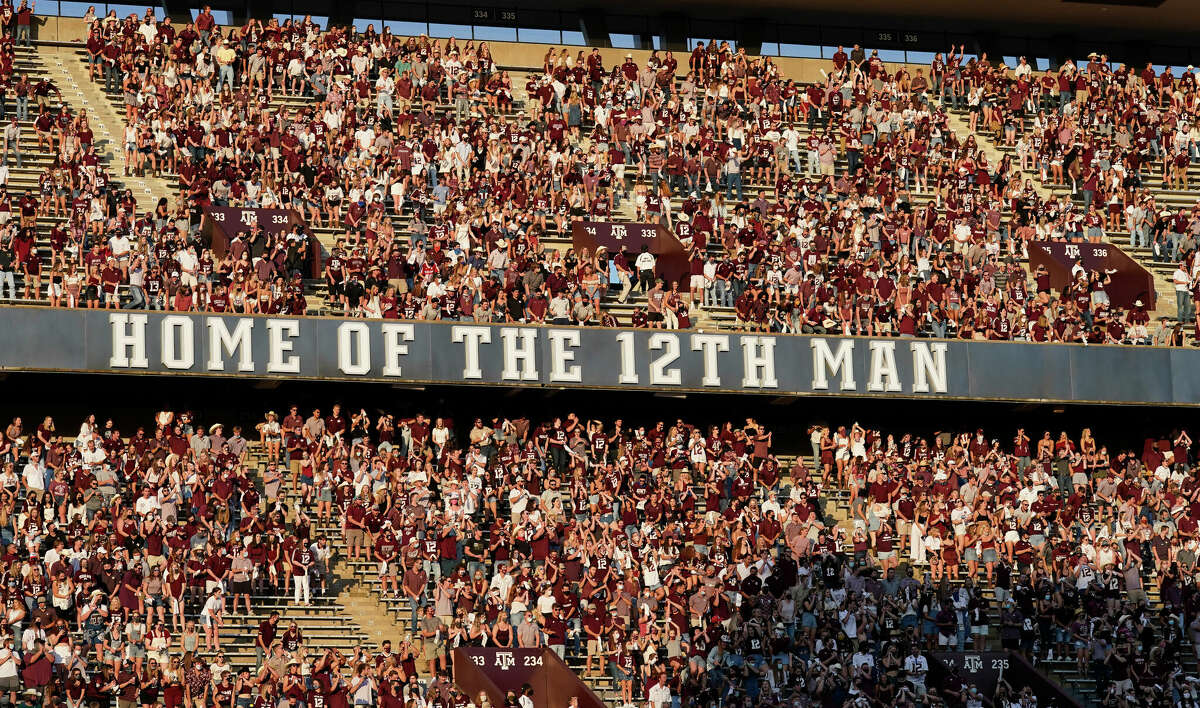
{"x":697,"y":282}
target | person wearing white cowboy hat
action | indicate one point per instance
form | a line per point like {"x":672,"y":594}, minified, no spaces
{"x":216,"y":437}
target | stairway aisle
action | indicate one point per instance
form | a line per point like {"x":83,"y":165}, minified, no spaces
{"x":86,"y":97}
{"x":995,"y":153}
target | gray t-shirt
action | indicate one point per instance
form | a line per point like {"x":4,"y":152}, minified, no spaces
{"x":527,"y":634}
{"x":106,"y":477}
{"x":429,"y":625}
{"x":315,"y":427}
{"x":559,"y":307}
{"x":199,"y":444}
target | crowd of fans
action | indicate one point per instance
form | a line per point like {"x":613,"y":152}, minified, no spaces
{"x":71,"y":184}
{"x":1110,"y":132}
{"x":685,"y":561}
{"x":1106,"y":130}
{"x":848,"y":206}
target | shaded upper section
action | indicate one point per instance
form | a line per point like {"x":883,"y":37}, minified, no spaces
{"x":1129,"y":30}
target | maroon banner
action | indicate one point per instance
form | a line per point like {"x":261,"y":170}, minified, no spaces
{"x":222,"y":224}
{"x":671,"y":257}
{"x":496,"y":671}
{"x":986,"y":669}
{"x":1130,"y":281}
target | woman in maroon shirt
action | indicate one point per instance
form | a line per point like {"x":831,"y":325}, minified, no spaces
{"x":183,"y":300}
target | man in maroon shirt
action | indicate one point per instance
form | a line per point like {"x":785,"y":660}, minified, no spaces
{"x":110,"y":279}
{"x":265,"y":637}
{"x":386,"y":550}
{"x":205,"y":23}
{"x":354,"y":526}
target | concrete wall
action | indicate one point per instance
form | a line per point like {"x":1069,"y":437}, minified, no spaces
{"x":517,"y":54}
{"x":60,"y":29}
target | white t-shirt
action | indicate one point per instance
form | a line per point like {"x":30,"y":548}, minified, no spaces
{"x":93,"y":457}
{"x":8,"y":662}
{"x":660,"y":695}
{"x":34,"y":477}
{"x":503,"y":583}
{"x":916,"y":667}
{"x":30,"y":637}
{"x":187,"y":261}
{"x":149,"y":31}
{"x":119,"y":244}
{"x":146,"y":505}
{"x":791,"y":138}
{"x":1181,"y":279}
{"x":212,"y":607}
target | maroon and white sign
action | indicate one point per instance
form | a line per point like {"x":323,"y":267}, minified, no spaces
{"x":1130,"y":281}
{"x":497,"y":671}
{"x":222,"y":224}
{"x":671,"y":257}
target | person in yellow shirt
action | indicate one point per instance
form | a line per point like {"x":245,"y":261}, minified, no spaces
{"x":225,"y":56}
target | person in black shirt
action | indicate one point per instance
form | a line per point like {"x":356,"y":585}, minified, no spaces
{"x":1119,"y":670}
{"x":831,"y":571}
{"x":195,"y":217}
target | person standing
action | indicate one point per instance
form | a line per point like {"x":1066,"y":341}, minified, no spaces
{"x":659,"y":694}
{"x":265,"y":638}
{"x":241,"y":570}
{"x":212,"y":619}
{"x":916,"y":666}
{"x":10,"y":660}
{"x":733,"y":175}
{"x":1183,"y":293}
{"x":302,"y":561}
{"x":12,"y":141}
{"x":25,"y":23}
{"x":225,"y":55}
{"x":645,"y":264}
